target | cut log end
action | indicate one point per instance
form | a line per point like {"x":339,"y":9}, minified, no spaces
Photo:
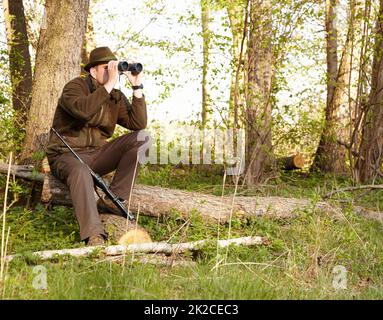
{"x":135,"y":236}
{"x":292,"y":162}
{"x":299,"y":161}
{"x":124,"y":231}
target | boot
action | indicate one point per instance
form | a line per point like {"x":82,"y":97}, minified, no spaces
{"x":105,"y":205}
{"x":97,"y":240}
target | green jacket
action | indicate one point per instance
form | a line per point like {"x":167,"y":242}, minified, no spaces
{"x":86,"y":116}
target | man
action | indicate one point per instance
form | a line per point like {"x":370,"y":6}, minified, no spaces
{"x":86,"y":116}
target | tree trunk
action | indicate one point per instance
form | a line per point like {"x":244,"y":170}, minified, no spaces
{"x":324,"y":155}
{"x":206,"y":36}
{"x":331,"y":155}
{"x":260,"y":73}
{"x":369,"y":164}
{"x":58,"y":61}
{"x":331,"y":48}
{"x":236,"y":12}
{"x":19,"y":60}
{"x":358,"y":17}
{"x":89,"y":39}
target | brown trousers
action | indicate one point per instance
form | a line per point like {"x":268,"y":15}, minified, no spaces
{"x":122,"y":154}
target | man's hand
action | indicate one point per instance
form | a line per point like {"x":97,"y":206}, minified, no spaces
{"x":112,"y":75}
{"x":135,"y":80}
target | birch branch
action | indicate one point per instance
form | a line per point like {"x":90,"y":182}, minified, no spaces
{"x":153,"y":247}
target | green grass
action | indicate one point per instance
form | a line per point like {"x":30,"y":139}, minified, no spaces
{"x":297,"y":263}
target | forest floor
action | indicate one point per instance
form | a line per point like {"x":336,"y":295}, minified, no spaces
{"x":312,"y":256}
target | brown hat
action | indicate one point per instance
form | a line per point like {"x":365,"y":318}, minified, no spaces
{"x":98,"y":56}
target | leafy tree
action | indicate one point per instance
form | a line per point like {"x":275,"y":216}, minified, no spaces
{"x":19,"y":60}
{"x":57,"y":61}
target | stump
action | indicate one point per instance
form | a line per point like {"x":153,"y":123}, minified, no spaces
{"x":123,"y":231}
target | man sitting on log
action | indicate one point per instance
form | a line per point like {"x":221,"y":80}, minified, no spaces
{"x":86,"y":116}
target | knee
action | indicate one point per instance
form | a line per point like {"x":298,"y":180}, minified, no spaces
{"x":138,"y":143}
{"x":137,"y":140}
{"x":145,"y":151}
{"x":144,"y":138}
{"x":140,"y":137}
{"x":79,"y":172}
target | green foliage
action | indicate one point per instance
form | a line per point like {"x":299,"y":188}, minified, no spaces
{"x":298,"y":88}
{"x":188,"y":179}
{"x":38,"y":155}
{"x":11,"y":136}
{"x":297,"y":263}
{"x":37,"y":229}
{"x":299,"y":259}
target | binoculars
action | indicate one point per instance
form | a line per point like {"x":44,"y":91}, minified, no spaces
{"x":134,"y":68}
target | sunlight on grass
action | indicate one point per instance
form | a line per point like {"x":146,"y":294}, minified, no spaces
{"x":297,"y":263}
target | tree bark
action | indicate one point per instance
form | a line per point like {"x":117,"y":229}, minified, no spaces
{"x":89,"y":39}
{"x":330,"y":155}
{"x":369,"y":164}
{"x":236,"y":13}
{"x":19,"y":60}
{"x":324,"y":155}
{"x":154,"y":247}
{"x":206,"y":36}
{"x":259,"y":152}
{"x":58,"y":61}
{"x":157,"y":201}
{"x":331,"y":48}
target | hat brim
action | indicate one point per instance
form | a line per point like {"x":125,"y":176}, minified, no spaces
{"x":96,"y":63}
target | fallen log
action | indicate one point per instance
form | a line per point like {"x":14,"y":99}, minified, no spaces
{"x":157,"y":201}
{"x":371,"y":186}
{"x":293,"y":162}
{"x":369,"y":214}
{"x":23,"y":171}
{"x":154,"y":247}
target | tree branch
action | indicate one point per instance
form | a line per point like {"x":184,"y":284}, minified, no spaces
{"x":376,"y":186}
{"x":154,"y":247}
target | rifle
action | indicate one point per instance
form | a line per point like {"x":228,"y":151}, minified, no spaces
{"x":99,"y":182}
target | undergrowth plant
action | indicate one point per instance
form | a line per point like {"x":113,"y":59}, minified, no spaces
{"x":298,"y":262}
